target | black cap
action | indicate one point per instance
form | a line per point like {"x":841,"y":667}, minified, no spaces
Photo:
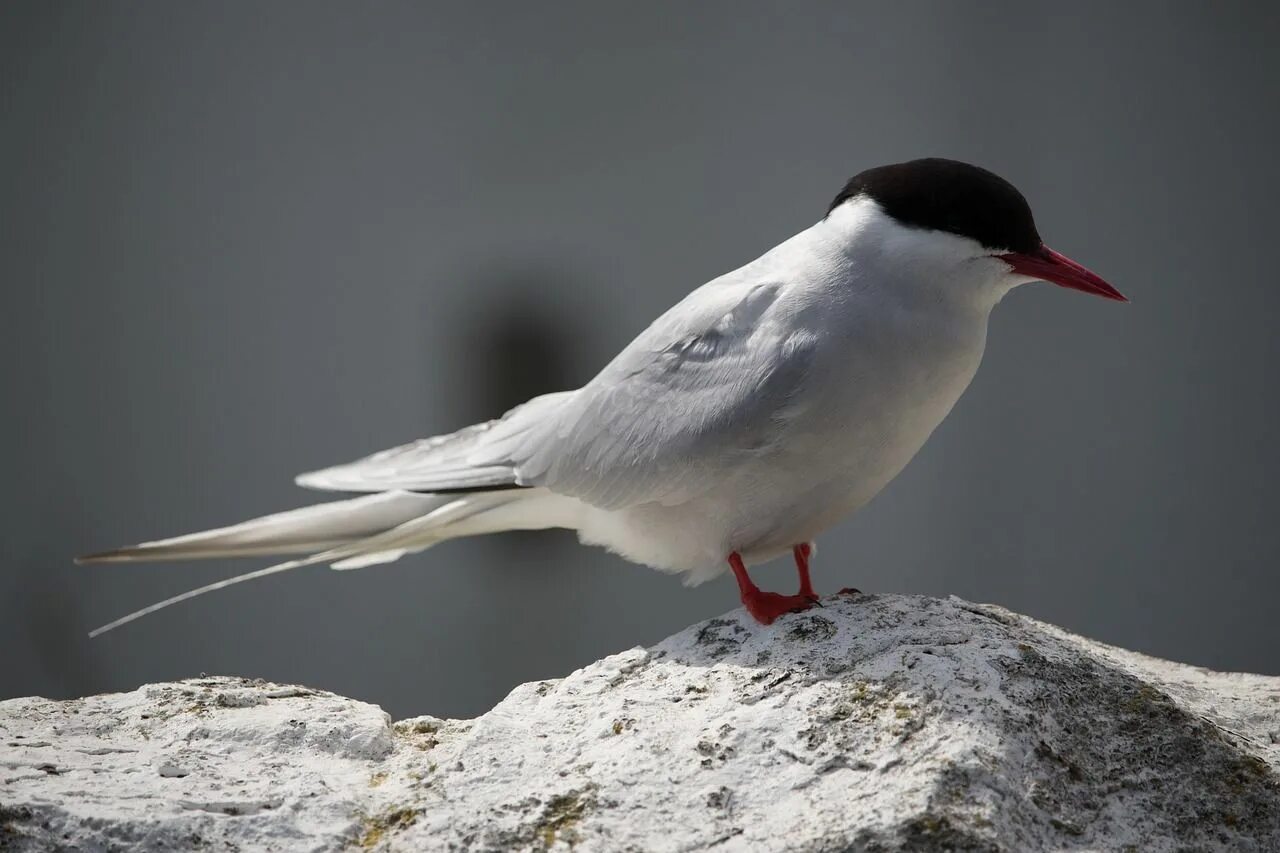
{"x":947,"y":195}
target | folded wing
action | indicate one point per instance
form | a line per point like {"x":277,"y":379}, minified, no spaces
{"x":709,"y":384}
{"x":476,"y":458}
{"x":712,"y":380}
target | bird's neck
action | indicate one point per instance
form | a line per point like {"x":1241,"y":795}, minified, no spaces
{"x":910,"y":267}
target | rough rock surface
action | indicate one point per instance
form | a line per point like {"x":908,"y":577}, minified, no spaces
{"x":874,"y":723}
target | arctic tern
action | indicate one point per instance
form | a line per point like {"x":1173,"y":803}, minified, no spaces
{"x":762,"y":408}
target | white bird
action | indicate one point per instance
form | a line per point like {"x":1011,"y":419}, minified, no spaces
{"x":763,"y":407}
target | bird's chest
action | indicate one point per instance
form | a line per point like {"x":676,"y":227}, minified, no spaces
{"x":869,"y":403}
{"x":888,"y":385}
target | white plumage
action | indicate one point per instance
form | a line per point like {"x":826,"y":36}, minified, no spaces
{"x":755,"y":413}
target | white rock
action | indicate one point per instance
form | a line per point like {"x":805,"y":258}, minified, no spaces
{"x":874,"y":723}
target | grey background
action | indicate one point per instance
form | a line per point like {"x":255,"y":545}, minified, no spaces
{"x":245,"y":240}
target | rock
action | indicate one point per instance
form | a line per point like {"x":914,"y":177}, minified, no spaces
{"x":873,"y":723}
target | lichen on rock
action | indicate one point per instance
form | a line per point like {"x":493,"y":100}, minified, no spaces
{"x":874,"y":723}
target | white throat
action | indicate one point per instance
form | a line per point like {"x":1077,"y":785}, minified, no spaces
{"x":915,"y":264}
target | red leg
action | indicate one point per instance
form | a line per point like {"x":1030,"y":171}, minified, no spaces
{"x":765,"y":606}
{"x":802,"y":553}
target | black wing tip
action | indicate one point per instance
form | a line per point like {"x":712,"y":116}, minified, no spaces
{"x":97,"y":557}
{"x":119,"y":555}
{"x":466,"y":490}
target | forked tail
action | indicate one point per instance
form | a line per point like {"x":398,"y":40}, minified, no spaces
{"x":350,"y":534}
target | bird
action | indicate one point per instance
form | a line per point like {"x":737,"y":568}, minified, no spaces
{"x":758,"y":411}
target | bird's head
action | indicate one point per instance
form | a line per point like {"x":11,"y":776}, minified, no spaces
{"x":951,"y":214}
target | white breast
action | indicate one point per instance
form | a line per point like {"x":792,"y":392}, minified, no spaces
{"x":901,"y":334}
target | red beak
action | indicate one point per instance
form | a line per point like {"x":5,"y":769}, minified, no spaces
{"x":1047,"y":265}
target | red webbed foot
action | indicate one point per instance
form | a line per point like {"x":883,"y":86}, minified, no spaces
{"x":768,"y":606}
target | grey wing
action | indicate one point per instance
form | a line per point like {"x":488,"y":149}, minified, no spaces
{"x":477,"y":457}
{"x":710,"y":384}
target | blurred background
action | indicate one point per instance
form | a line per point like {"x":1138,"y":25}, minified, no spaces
{"x":239,"y":241}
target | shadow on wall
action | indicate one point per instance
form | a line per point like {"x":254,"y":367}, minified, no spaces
{"x":519,"y":347}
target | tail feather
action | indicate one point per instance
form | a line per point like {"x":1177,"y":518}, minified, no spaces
{"x":376,"y":558}
{"x":198,"y":591}
{"x":297,"y":531}
{"x":351,"y":534}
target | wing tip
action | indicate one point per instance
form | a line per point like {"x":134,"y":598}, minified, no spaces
{"x":312,"y":480}
{"x":119,"y":555}
{"x":146,"y":553}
